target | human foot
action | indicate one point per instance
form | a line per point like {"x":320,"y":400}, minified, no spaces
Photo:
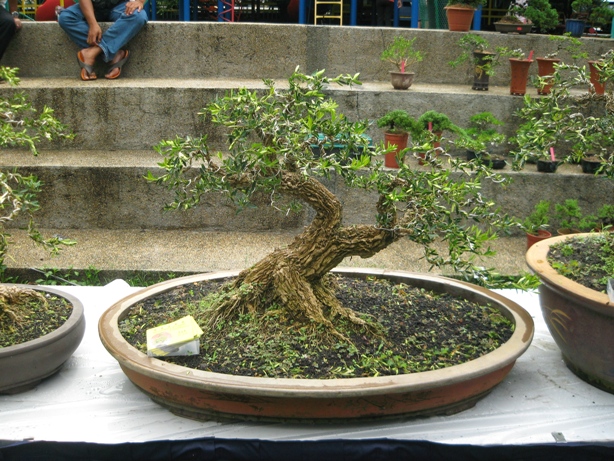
{"x":117,"y":63}
{"x":87,"y":66}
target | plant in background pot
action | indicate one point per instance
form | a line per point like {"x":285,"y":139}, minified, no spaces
{"x":519,"y":69}
{"x":522,"y":16}
{"x":546,"y":64}
{"x":481,"y":138}
{"x":574,"y":270}
{"x":535,"y":224}
{"x":594,"y":12}
{"x":602,"y":73}
{"x":428,"y":134}
{"x":460,"y":13}
{"x":571,"y":219}
{"x":292,"y":291}
{"x":39,"y":328}
{"x":397,"y":124}
{"x":475,"y":50}
{"x":401,"y":53}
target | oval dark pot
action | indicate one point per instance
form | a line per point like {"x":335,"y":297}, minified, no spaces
{"x":580,"y":320}
{"x":496,"y":163}
{"x":547,"y":166}
{"x":25,"y":365}
{"x":510,"y":28}
{"x":401,"y":80}
{"x":205,"y":395}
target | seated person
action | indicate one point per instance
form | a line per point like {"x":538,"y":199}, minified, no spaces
{"x":9,"y":24}
{"x":81,"y":23}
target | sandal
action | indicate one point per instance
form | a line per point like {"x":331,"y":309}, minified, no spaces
{"x":87,"y":70}
{"x":118,"y":65}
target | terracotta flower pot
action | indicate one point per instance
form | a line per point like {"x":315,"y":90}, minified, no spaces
{"x":399,"y":140}
{"x":519,"y":76}
{"x":24,"y":365}
{"x":580,"y":320}
{"x":459,"y":18}
{"x":545,"y":68}
{"x":401,"y":80}
{"x":532,"y":239}
{"x":205,"y":395}
{"x":598,"y":87}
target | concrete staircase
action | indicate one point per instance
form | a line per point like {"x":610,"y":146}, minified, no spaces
{"x":95,"y":184}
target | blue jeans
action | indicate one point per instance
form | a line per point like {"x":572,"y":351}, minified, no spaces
{"x":123,"y":29}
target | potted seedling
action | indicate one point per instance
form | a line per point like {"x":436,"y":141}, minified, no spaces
{"x":397,"y":125}
{"x":475,"y":50}
{"x":460,"y":13}
{"x":428,"y":134}
{"x":546,"y":64}
{"x":536,"y":223}
{"x":481,"y":137}
{"x":594,"y":12}
{"x":401,"y":53}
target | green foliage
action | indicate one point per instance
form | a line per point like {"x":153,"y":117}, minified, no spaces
{"x":569,"y":216}
{"x":595,"y":11}
{"x":573,"y":46}
{"x":269,"y":137}
{"x":468,"y":3}
{"x":543,"y":16}
{"x":438,"y":122}
{"x":538,"y":219}
{"x":470,"y":43}
{"x":481,"y":133}
{"x":401,"y":53}
{"x":23,"y":126}
{"x":397,"y":121}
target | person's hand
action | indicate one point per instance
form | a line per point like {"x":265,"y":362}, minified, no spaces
{"x":134,"y":6}
{"x":94,"y":35}
{"x":17,"y":23}
{"x":400,"y":3}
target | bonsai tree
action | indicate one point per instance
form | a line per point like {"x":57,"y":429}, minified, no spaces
{"x":397,"y":121}
{"x":538,"y":12}
{"x":475,"y":48}
{"x":401,"y":53}
{"x":569,"y":44}
{"x":267,"y":156}
{"x":475,"y":4}
{"x":22,"y":126}
{"x":481,"y":133}
{"x":538,"y":219}
{"x":596,"y":12}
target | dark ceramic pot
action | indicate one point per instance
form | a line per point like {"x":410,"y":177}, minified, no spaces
{"x":205,"y":395}
{"x":510,"y":28}
{"x":580,"y":320}
{"x":547,"y":166}
{"x":25,"y":365}
{"x":590,"y":165}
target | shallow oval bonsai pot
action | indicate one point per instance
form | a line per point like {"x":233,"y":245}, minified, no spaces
{"x":25,"y":365}
{"x":513,"y":28}
{"x":401,"y":80}
{"x":206,"y":395}
{"x":580,"y":320}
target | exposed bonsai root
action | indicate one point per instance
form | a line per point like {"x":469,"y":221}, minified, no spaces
{"x":14,"y":304}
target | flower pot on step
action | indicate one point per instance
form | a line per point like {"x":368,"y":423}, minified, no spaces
{"x":598,"y":87}
{"x":575,"y":27}
{"x":545,"y":68}
{"x":401,"y":80}
{"x":532,"y":239}
{"x":519,"y":76}
{"x":511,"y":28}
{"x":459,"y":17}
{"x":399,"y":141}
{"x":480,"y":77}
{"x":547,"y":166}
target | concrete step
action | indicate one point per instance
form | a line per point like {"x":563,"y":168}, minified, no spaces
{"x":118,"y":252}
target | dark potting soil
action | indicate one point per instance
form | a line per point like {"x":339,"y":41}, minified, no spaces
{"x":588,"y":261}
{"x":422,"y":331}
{"x":36,"y":319}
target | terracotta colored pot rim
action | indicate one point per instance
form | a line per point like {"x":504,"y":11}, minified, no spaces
{"x":133,"y":359}
{"x":537,"y":260}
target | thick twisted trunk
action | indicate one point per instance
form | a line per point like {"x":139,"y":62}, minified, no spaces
{"x":295,"y":277}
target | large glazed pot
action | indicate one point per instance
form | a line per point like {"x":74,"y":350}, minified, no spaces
{"x":205,"y":395}
{"x":24,"y":365}
{"x":580,"y":320}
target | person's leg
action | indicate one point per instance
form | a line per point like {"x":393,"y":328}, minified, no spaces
{"x":7,"y":30}
{"x":73,"y":22}
{"x":123,"y":29}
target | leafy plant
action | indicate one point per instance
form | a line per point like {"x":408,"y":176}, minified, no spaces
{"x":397,"y":121}
{"x":569,"y":216}
{"x":569,"y":44}
{"x":595,"y":11}
{"x":481,"y":133}
{"x":401,"y":53}
{"x":538,"y":219}
{"x":268,"y":156}
{"x":475,"y":4}
{"x":539,"y":12}
{"x":470,"y":44}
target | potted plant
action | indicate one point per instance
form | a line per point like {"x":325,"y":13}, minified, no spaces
{"x":571,"y":220}
{"x":481,"y":137}
{"x":39,"y":328}
{"x":574,"y":270}
{"x":535,"y":224}
{"x":546,"y":64}
{"x":460,"y":13}
{"x":522,"y":17}
{"x":428,"y":134}
{"x":292,"y":289}
{"x":595,"y":12}
{"x":601,"y":72}
{"x":397,"y":124}
{"x":402,"y":54}
{"x":475,"y":48}
{"x":519,"y":67}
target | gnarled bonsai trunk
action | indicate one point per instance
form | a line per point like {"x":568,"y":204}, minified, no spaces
{"x":295,"y":277}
